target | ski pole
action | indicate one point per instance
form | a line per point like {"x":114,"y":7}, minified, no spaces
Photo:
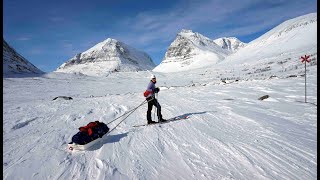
{"x":144,"y":102}
{"x":130,"y":112}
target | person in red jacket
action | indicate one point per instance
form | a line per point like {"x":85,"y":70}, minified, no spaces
{"x":152,"y":101}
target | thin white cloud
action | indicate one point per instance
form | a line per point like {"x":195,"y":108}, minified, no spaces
{"x":167,"y":24}
{"x":153,"y":31}
{"x":56,"y":19}
{"x":25,"y":38}
{"x":36,"y":51}
{"x":233,"y":18}
{"x":68,"y":48}
{"x":68,"y":45}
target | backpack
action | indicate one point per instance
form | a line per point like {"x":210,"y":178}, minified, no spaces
{"x":146,"y":93}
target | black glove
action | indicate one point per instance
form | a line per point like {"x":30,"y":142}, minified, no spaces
{"x":156,"y":90}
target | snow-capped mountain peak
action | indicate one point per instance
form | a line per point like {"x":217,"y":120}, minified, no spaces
{"x":108,"y":56}
{"x":102,"y":45}
{"x":197,"y":38}
{"x":191,"y":50}
{"x":231,"y":44}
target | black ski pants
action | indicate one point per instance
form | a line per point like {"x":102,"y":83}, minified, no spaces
{"x":152,"y":103}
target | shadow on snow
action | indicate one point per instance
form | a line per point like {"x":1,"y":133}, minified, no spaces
{"x":118,"y":137}
{"x":107,"y":139}
{"x":184,"y":116}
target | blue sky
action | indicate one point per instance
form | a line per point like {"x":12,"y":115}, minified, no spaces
{"x":48,"y":33}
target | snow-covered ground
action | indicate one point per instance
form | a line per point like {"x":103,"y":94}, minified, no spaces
{"x":230,"y":133}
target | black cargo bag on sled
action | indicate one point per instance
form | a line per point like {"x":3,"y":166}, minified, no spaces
{"x":90,"y":132}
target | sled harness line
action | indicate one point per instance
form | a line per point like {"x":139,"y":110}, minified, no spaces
{"x":129,"y":112}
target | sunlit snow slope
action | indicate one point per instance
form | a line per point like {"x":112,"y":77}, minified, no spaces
{"x":230,"y":133}
{"x":298,"y":35}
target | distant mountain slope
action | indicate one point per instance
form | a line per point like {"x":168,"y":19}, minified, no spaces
{"x":231,"y":44}
{"x":14,"y":63}
{"x":295,"y":36}
{"x":108,"y":56}
{"x":191,"y":50}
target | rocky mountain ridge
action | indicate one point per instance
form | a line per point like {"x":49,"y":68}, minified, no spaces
{"x":14,"y":63}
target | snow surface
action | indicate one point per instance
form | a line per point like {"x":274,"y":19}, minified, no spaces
{"x":230,"y":133}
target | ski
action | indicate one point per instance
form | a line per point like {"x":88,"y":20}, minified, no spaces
{"x":168,"y":120}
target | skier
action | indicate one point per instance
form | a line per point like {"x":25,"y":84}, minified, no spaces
{"x":152,"y":101}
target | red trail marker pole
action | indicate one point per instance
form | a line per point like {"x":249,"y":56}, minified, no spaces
{"x":305,"y":60}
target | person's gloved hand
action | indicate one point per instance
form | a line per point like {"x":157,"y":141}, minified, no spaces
{"x":156,"y":90}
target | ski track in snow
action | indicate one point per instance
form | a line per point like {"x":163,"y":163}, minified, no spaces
{"x":229,"y":134}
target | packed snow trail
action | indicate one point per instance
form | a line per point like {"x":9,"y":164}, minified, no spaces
{"x":229,"y":133}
